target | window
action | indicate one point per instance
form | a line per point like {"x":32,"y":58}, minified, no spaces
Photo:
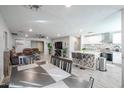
{"x":96,"y":39}
{"x":116,"y":38}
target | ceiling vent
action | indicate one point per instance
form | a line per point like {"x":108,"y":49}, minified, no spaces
{"x":19,"y":33}
{"x":14,"y":34}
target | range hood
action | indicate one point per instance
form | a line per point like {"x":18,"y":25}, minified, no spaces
{"x":107,"y":38}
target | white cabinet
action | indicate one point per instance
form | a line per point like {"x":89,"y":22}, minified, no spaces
{"x":117,"y":38}
{"x":95,"y":39}
{"x":117,"y":58}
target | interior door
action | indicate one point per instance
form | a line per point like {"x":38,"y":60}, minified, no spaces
{"x":40,"y":46}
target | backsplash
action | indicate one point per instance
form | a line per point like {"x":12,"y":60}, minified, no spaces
{"x":100,"y":47}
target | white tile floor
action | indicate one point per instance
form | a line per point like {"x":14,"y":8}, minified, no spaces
{"x":109,"y":79}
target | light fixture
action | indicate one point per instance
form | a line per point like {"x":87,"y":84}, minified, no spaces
{"x":81,"y":30}
{"x":58,"y":35}
{"x":30,"y":30}
{"x":47,"y":37}
{"x":68,"y":5}
{"x":33,"y":7}
{"x":26,"y":35}
{"x":41,"y":21}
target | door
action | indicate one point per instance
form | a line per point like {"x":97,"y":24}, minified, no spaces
{"x":38,"y":44}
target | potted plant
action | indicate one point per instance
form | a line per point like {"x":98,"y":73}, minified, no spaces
{"x":64,"y":52}
{"x":83,"y":49}
{"x":49,"y":47}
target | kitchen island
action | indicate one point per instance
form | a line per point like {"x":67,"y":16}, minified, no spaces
{"x":116,"y":56}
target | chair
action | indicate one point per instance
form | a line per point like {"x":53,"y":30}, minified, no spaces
{"x":79,"y":59}
{"x":27,"y":51}
{"x":88,"y":84}
{"x":63,"y":63}
{"x":23,"y":60}
{"x":4,"y":86}
{"x":91,"y":82}
{"x":36,"y":53}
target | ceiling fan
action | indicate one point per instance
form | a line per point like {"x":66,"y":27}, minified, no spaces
{"x":40,"y":36}
{"x":33,"y":7}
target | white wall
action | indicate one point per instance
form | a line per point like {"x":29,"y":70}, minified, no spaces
{"x":82,"y":42}
{"x":122,"y":21}
{"x":3,"y":29}
{"x":109,"y":24}
{"x":74,"y":45}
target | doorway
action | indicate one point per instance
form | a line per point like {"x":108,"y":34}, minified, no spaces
{"x":39,"y":45}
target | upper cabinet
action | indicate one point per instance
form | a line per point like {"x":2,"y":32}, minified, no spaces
{"x":104,"y":38}
{"x":94,"y":39}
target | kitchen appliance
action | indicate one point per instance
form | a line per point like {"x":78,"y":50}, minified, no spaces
{"x":101,"y":64}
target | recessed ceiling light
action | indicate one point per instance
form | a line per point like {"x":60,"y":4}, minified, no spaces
{"x":47,"y":37}
{"x":26,"y":35}
{"x":58,"y":35}
{"x":68,"y":5}
{"x":41,"y":21}
{"x":81,"y":30}
{"x":30,"y":30}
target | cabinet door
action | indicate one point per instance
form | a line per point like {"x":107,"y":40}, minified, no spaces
{"x":117,"y":58}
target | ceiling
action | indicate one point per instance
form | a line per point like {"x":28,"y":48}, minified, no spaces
{"x":57,"y":20}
